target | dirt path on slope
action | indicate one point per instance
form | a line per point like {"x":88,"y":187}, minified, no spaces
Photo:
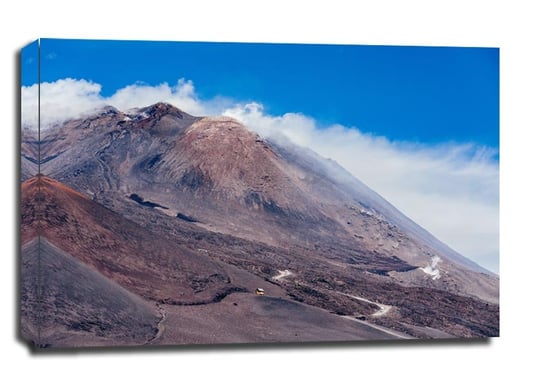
{"x":282,"y":274}
{"x":160,"y":324}
{"x":380,"y":328}
{"x":384,"y":308}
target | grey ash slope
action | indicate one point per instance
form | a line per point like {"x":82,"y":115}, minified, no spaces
{"x":29,"y":154}
{"x":78,"y":305}
{"x":218,"y":189}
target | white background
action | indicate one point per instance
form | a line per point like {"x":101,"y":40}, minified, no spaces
{"x":516,"y":29}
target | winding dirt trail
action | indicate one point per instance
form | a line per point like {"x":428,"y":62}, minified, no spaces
{"x":282,"y":274}
{"x":384,"y":308}
{"x":160,"y":324}
{"x":383,"y":329}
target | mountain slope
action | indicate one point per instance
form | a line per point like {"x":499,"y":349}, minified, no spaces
{"x":369,"y":201}
{"x":121,"y":250}
{"x":66,"y":303}
{"x":184,"y":210}
{"x":217,"y":174}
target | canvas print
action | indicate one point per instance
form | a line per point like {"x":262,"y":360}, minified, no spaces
{"x":187,"y":193}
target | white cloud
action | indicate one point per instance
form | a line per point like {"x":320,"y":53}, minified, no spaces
{"x":59,"y":100}
{"x":181,"y":95}
{"x":449,"y":189}
{"x":70,"y":98}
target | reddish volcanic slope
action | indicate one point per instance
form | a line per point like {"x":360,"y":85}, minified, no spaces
{"x":121,"y":250}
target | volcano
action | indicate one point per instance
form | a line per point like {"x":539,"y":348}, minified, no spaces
{"x":187,"y":215}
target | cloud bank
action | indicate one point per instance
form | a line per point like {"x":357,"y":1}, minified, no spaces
{"x":451,"y":189}
{"x":70,"y":98}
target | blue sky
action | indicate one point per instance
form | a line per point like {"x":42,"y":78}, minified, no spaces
{"x":423,"y":94}
{"x":419,"y":125}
